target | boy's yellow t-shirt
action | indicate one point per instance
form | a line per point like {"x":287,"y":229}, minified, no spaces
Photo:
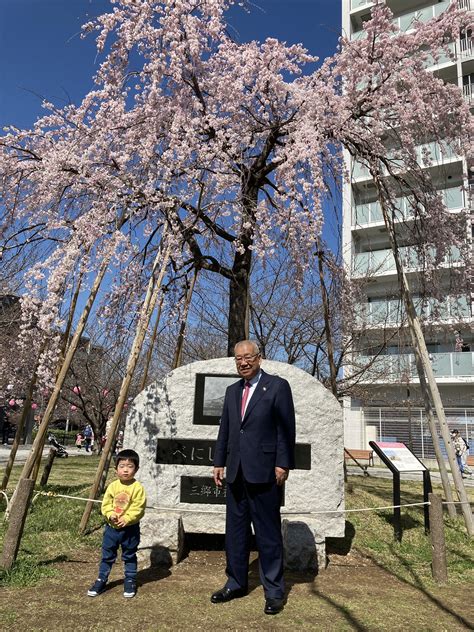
{"x":127,"y":501}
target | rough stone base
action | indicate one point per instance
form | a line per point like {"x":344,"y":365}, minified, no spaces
{"x":162,"y":539}
{"x":304,"y":550}
{"x":162,"y":543}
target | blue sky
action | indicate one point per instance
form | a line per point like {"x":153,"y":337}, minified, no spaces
{"x":42,"y":54}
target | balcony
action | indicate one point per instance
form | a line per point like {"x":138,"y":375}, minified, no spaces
{"x":428,"y":154}
{"x":468,"y":92}
{"x":371,"y":213}
{"x":359,"y":4}
{"x":385,"y":312}
{"x":401,"y":368}
{"x":466,"y":47}
{"x":406,"y":21}
{"x":378,"y":262}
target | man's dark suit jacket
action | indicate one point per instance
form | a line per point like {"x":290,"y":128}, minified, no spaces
{"x":264,"y":439}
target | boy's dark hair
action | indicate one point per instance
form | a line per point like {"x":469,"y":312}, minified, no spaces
{"x":129,"y":455}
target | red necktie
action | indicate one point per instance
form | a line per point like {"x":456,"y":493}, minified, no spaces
{"x":245,"y":397}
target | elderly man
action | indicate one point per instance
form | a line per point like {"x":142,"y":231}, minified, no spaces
{"x":256,"y":443}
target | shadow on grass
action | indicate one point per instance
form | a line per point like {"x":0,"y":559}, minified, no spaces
{"x":93,"y":529}
{"x":144,"y":576}
{"x":346,"y":613}
{"x":55,"y":560}
{"x":418,"y":584}
{"x":407,"y":521}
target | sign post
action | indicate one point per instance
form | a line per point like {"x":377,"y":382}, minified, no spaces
{"x":398,"y":458}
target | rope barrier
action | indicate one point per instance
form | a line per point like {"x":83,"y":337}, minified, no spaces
{"x":6,"y":497}
{"x":284,"y":513}
{"x":54,"y":495}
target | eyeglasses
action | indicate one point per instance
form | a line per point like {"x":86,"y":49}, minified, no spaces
{"x":246,"y":358}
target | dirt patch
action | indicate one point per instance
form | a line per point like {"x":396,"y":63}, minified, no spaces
{"x":352,"y":594}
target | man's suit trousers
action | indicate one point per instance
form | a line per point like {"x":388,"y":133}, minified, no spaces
{"x":259,"y":504}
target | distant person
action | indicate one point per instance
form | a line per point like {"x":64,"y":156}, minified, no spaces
{"x":79,"y":440}
{"x":119,"y":444}
{"x":123,"y":507}
{"x":458,"y":342}
{"x":6,"y":425}
{"x":88,"y":437}
{"x":461,"y":449}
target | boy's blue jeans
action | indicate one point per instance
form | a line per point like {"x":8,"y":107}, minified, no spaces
{"x":129,"y":539}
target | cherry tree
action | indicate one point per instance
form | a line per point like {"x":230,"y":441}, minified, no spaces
{"x":200,"y":153}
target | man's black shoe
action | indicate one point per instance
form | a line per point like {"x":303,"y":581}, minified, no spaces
{"x":227,"y":594}
{"x":273,"y":606}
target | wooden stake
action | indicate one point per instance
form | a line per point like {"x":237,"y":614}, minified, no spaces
{"x":47,"y":467}
{"x":439,"y":567}
{"x":16,"y":523}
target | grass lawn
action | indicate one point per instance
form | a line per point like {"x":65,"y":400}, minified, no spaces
{"x":371,"y":583}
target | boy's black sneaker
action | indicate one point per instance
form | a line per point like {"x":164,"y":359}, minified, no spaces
{"x":129,"y":587}
{"x":97,"y":588}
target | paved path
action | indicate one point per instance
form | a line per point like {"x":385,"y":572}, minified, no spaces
{"x":384,"y":472}
{"x":24,"y":450}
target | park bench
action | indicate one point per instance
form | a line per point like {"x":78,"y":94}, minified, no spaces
{"x":470,"y":460}
{"x":351,"y":454}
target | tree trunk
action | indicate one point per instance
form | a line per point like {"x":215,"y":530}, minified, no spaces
{"x":19,"y":431}
{"x":239,"y":285}
{"x":327,"y":325}
{"x":18,"y":513}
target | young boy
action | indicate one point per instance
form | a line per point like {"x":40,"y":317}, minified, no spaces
{"x":123,"y":507}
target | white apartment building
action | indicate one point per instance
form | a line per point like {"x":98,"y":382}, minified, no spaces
{"x":390,"y":406}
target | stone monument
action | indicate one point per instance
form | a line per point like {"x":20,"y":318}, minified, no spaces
{"x":173,"y":425}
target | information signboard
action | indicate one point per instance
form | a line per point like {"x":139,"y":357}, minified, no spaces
{"x":399,"y":456}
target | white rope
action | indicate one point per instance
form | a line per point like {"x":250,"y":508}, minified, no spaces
{"x":6,"y":498}
{"x":54,"y":495}
{"x":287,"y":513}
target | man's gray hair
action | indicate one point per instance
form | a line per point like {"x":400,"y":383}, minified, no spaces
{"x":255,"y":346}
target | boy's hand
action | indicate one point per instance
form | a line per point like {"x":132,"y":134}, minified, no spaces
{"x":114,"y":518}
{"x":121,"y":522}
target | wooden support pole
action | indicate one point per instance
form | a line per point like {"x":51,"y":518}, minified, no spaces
{"x":153,"y":291}
{"x":16,"y":523}
{"x":151,"y":345}
{"x":105,"y":471}
{"x":428,"y":383}
{"x":37,"y":465}
{"x":43,"y":428}
{"x":439,"y":567}
{"x":182,"y":329}
{"x":19,"y":431}
{"x":47,"y":467}
{"x":397,"y":516}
